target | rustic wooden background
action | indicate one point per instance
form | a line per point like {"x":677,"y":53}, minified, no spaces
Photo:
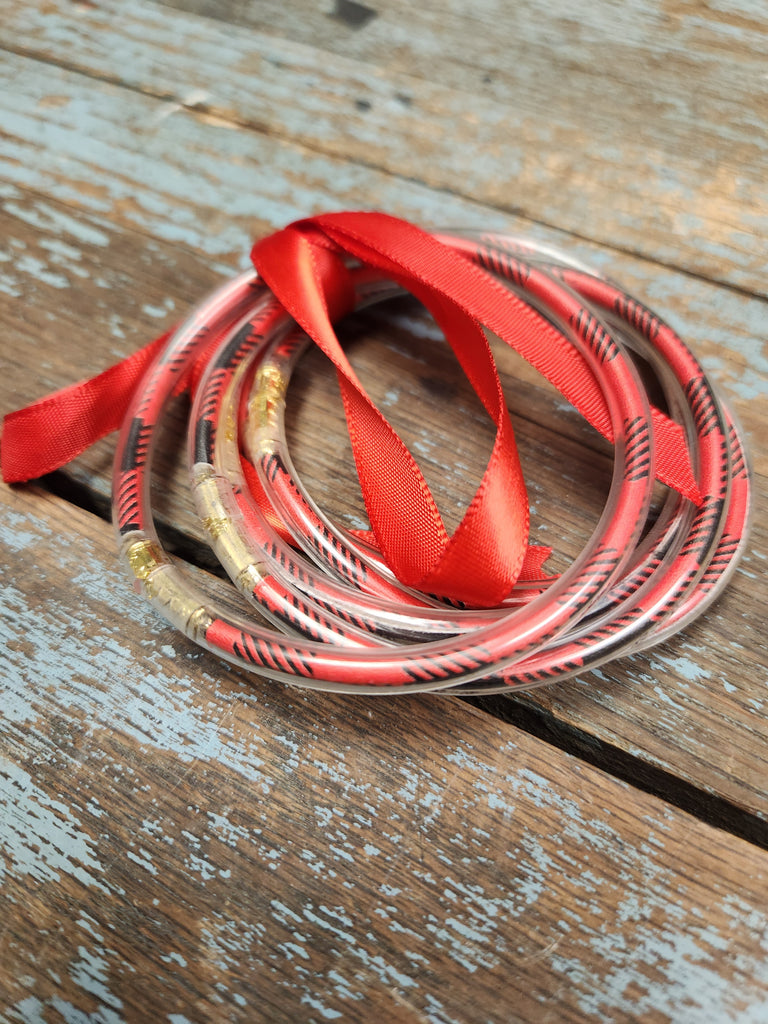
{"x":182,"y":843}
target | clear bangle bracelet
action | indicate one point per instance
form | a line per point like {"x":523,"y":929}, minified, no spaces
{"x":341,"y":620}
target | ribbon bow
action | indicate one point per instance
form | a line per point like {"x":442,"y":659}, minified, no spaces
{"x":305,"y":267}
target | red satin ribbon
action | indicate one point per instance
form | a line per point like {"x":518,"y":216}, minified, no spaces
{"x":52,"y":431}
{"x":304,"y":266}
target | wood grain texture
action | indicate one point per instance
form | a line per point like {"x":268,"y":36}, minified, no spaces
{"x":677,"y":708}
{"x":227,"y":216}
{"x":641,"y":126}
{"x":180,"y":843}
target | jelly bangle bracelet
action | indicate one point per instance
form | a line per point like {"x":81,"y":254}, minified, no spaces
{"x":482,"y":653}
{"x":421,"y":666}
{"x":604,"y":635}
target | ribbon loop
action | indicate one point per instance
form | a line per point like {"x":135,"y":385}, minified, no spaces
{"x":480,"y":563}
{"x":306,"y":266}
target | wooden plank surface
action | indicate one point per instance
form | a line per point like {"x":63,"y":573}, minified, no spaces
{"x":675,"y":709}
{"x":632,"y":126}
{"x":180,"y":843}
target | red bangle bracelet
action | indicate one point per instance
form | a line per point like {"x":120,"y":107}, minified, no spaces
{"x":359,"y":628}
{"x":409,"y":607}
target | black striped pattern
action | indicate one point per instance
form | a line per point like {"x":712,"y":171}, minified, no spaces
{"x":738,"y":461}
{"x":542,"y":675}
{"x":205,"y":428}
{"x":722,"y":558}
{"x":705,"y":415}
{"x":262,"y":654}
{"x":698,"y":541}
{"x":674,"y":596}
{"x":638,"y":315}
{"x":299,"y":616}
{"x":328,"y":546}
{"x":637,"y":442}
{"x":136,"y":445}
{"x":288,"y":564}
{"x":127,"y":501}
{"x":589,"y":328}
{"x":503,"y":265}
{"x":272,"y":464}
{"x":627,"y":587}
{"x":615,"y":630}
{"x":425,"y":670}
{"x":353,"y":619}
{"x":603,"y":568}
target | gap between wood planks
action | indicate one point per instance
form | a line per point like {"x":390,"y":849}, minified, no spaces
{"x":579,"y":731}
{"x":199,"y":108}
{"x":529,"y":718}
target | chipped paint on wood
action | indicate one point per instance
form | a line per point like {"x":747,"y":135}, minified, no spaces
{"x":124,"y":164}
{"x":649,"y":710}
{"x":40,"y":838}
{"x":268,"y":854}
{"x":429,"y":849}
{"x":470,"y":140}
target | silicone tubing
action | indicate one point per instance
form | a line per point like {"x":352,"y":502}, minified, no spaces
{"x":706,"y":552}
{"x":622,"y":605}
{"x":296,"y":587}
{"x":617,"y":596}
{"x":353,"y":560}
{"x":274,"y":371}
{"x":422,"y":666}
{"x":373,"y":604}
{"x":623,"y":623}
{"x":310,"y":528}
{"x":656,"y":558}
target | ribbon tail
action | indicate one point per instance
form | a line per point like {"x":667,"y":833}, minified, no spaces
{"x":49,"y":433}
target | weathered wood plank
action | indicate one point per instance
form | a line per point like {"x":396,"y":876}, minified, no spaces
{"x":643,"y":128}
{"x":202,"y":185}
{"x":153,"y":168}
{"x":184,"y":844}
{"x":140,"y":876}
{"x":424,"y":415}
